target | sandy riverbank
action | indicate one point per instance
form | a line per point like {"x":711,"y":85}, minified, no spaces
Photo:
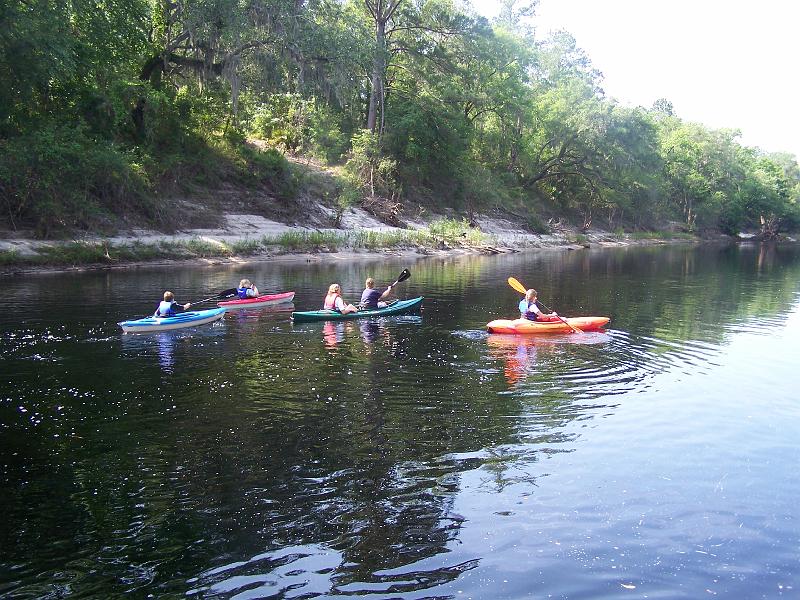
{"x":246,"y":238}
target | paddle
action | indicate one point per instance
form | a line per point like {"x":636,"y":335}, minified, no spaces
{"x":522,"y":290}
{"x":230,"y":293}
{"x":404,"y":274}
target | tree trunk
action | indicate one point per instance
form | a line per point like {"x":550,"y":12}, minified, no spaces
{"x":512,"y":163}
{"x":378,"y":73}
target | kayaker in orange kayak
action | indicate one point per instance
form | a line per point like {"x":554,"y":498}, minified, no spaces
{"x":334,"y":301}
{"x":529,"y":309}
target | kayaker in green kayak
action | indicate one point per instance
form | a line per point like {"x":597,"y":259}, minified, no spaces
{"x":372,"y":298}
{"x":335,"y":302}
{"x":169,"y":308}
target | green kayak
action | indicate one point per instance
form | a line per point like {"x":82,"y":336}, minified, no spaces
{"x":397,"y":308}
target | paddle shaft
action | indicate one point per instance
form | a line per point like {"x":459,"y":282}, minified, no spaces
{"x":221,"y":295}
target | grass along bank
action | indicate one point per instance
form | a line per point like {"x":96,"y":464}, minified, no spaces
{"x":444,"y":233}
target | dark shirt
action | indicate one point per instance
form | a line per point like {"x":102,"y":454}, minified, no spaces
{"x":370,"y":297}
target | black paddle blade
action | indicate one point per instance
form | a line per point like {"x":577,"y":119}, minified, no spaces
{"x":228,"y":293}
{"x":404,"y":275}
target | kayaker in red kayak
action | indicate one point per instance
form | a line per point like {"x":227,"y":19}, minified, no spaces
{"x":371,"y":298}
{"x":169,"y":308}
{"x":246,"y":289}
{"x":334,"y":301}
{"x":530,"y":310}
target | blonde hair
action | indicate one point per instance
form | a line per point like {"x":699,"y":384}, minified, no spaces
{"x":334,"y":288}
{"x":370,"y":282}
{"x":531,"y":294}
{"x":245,"y":283}
{"x":169,"y":296}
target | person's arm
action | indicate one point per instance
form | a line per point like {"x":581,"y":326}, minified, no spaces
{"x":339,"y":304}
{"x":252,"y":292}
{"x":540,"y":310}
{"x":386,"y":293}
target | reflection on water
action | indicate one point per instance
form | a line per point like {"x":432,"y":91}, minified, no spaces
{"x":165,"y":351}
{"x":165,"y":344}
{"x":519,"y":353}
{"x":410,"y":456}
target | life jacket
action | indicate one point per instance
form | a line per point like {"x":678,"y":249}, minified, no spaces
{"x":165,"y":309}
{"x":330,"y":302}
{"x":242,"y":292}
{"x":532,"y":315}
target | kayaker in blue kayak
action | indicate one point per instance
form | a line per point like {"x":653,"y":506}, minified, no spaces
{"x":246,"y":289}
{"x":169,"y":308}
{"x":530,"y":309}
{"x":372,"y":298}
{"x":334,"y":301}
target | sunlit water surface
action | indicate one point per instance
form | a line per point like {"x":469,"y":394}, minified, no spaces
{"x":414,"y":456}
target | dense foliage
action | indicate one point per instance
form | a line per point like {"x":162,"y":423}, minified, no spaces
{"x":109,"y":107}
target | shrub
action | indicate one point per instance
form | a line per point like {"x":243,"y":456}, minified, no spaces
{"x":271,"y":167}
{"x":535,"y":224}
{"x":453,"y":231}
{"x":59,"y":178}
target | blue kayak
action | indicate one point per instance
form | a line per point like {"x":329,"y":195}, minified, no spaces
{"x":397,"y":308}
{"x":179,"y":321}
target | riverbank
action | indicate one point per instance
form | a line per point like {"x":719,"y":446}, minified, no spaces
{"x":249,"y":238}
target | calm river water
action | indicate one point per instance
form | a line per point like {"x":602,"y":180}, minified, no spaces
{"x":409,"y":457}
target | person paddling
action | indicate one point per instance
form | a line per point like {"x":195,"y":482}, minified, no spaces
{"x":246,"y":289}
{"x":372,"y":298}
{"x":334,"y":301}
{"x":530,"y":309}
{"x":169,"y":308}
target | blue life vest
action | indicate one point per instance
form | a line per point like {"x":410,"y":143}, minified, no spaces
{"x":165,"y":309}
{"x":526,"y":312}
{"x":242,"y":292}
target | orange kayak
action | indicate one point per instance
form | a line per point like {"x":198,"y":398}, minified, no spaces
{"x":527,"y":327}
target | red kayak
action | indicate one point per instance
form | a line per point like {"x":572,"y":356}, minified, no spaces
{"x":258,"y":301}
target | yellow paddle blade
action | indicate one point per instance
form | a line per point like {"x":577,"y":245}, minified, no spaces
{"x":517,"y":285}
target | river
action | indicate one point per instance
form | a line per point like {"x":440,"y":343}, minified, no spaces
{"x":412,"y":456}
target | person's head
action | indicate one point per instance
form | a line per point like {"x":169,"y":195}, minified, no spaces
{"x":370,"y":282}
{"x":245,"y":283}
{"x":531,"y":295}
{"x":334,"y":288}
{"x":169,"y":297}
